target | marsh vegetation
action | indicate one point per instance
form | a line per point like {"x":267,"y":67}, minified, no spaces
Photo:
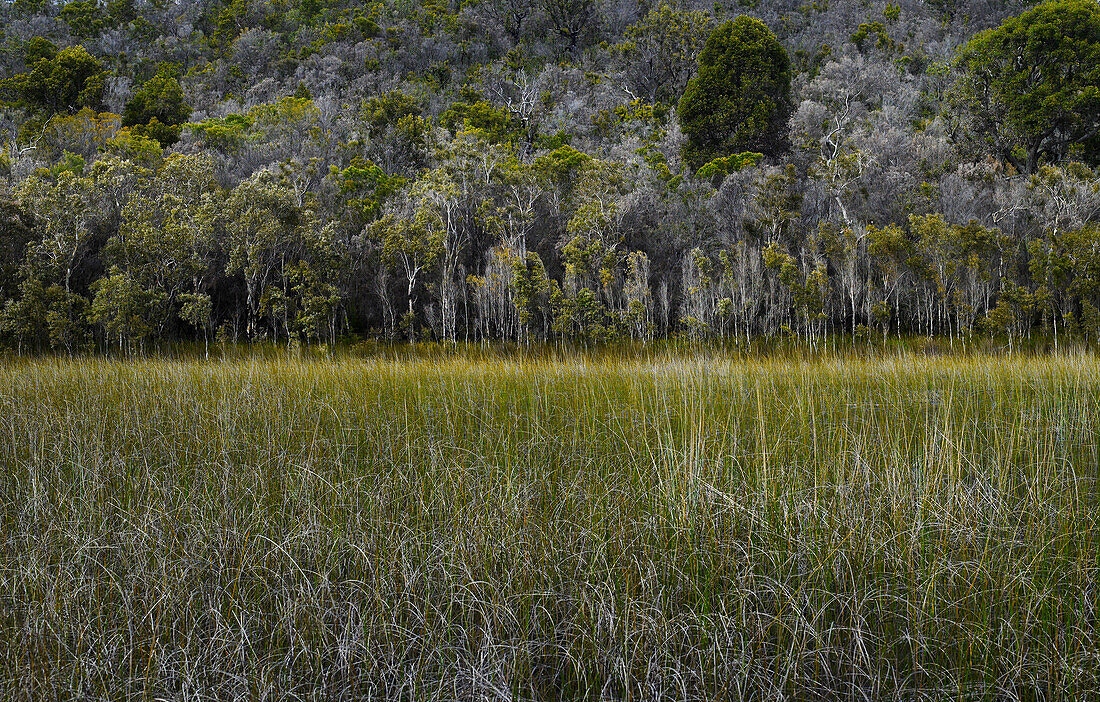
{"x":666,"y":526}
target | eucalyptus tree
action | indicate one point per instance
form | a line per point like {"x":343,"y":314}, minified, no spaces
{"x":48,"y":307}
{"x":167,"y":244}
{"x":661,"y":51}
{"x":437,"y":198}
{"x":409,"y":248}
{"x":286,"y":257}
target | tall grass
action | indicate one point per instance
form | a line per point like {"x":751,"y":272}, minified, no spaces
{"x":681,"y":526}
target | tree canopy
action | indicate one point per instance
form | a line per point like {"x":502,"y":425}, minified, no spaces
{"x":159,"y":105}
{"x":740,"y":99}
{"x":566,"y":170}
{"x":65,"y":81}
{"x":1032,"y":85}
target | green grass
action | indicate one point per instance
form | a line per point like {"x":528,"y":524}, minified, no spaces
{"x":677,"y":526}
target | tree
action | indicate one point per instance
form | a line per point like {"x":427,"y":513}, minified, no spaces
{"x":84,"y":17}
{"x":285,"y":256}
{"x":1032,"y":86}
{"x":590,"y":248}
{"x":159,"y":100}
{"x":122,"y":306}
{"x":363,"y":188}
{"x":531,"y":287}
{"x":22,"y":319}
{"x":84,"y":134}
{"x":637,"y":296}
{"x":888,"y":248}
{"x":662,"y":50}
{"x":62,"y":212}
{"x":570,"y":19}
{"x":510,"y":16}
{"x":962,"y":262}
{"x":65,"y":82}
{"x":37,"y":48}
{"x":438,"y":215}
{"x":1059,"y":200}
{"x":46,"y":315}
{"x":66,"y":211}
{"x":16,"y":233}
{"x":166,"y":244}
{"x":411,"y":248}
{"x":398,"y":136}
{"x":740,"y":99}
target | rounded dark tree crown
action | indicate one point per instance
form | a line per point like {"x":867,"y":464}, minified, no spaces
{"x":740,"y":99}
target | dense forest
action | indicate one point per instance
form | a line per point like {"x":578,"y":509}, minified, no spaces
{"x":580,"y":170}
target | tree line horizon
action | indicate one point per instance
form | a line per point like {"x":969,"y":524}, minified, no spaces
{"x":269,"y":172}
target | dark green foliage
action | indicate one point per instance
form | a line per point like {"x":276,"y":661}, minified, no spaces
{"x":87,"y":18}
{"x":364,"y":187}
{"x":159,"y":105}
{"x":84,"y":17}
{"x":30,"y":6}
{"x":163,"y":134}
{"x":16,"y":233}
{"x":230,"y":21}
{"x":740,"y":99}
{"x":562,"y":166}
{"x":46,"y":317}
{"x":121,"y":11}
{"x":285,"y":259}
{"x":65,"y":82}
{"x":122,"y":307}
{"x":38,"y":49}
{"x":309,"y":9}
{"x":389,"y":109}
{"x":532,"y":291}
{"x":1032,"y":85}
{"x":399,"y":135}
{"x":873,"y":35}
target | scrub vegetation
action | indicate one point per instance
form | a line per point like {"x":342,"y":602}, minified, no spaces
{"x":578,"y":171}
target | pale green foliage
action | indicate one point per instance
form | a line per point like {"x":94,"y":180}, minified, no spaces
{"x":598,"y":211}
{"x":63,"y":211}
{"x":409,"y":248}
{"x":47,"y":311}
{"x":285,"y":256}
{"x":166,"y":246}
{"x":961,"y":262}
{"x":123,"y":307}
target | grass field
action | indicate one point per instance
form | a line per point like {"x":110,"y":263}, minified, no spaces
{"x":678,"y":526}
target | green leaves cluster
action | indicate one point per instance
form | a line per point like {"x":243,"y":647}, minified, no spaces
{"x":59,"y":81}
{"x":158,"y":107}
{"x":1032,"y":86}
{"x":740,"y":99}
